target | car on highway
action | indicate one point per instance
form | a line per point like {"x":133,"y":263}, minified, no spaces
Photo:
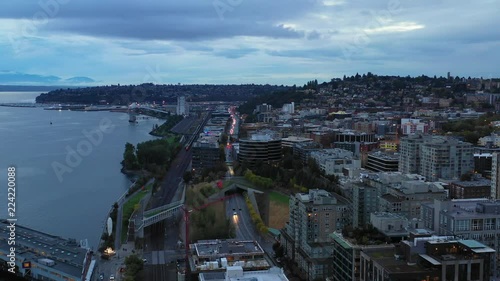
{"x":111,"y":277}
{"x":234,"y":213}
{"x":101,"y":276}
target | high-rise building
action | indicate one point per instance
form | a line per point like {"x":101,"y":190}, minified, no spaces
{"x":206,"y":154}
{"x":436,"y":157}
{"x":346,"y":257}
{"x":260,"y":148}
{"x":409,"y":151}
{"x":364,"y":202}
{"x":495,"y":176}
{"x":182,"y":106}
{"x":305,"y":238}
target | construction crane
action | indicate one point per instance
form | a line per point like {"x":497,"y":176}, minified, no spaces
{"x":186,"y":221}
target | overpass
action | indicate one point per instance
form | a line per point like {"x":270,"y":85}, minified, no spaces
{"x":152,"y":216}
{"x":174,"y":209}
{"x":134,"y":109}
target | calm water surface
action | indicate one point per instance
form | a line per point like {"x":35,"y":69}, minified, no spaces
{"x":66,"y":182}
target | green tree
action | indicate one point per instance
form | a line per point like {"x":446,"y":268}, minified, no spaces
{"x":134,"y":266}
{"x":129,"y":158}
{"x":187,"y":177}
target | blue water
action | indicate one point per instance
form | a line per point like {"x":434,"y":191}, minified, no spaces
{"x":66,"y":181}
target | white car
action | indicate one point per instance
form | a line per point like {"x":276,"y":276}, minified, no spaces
{"x":112,"y":277}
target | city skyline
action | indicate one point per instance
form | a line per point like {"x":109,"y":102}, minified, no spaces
{"x":237,"y":41}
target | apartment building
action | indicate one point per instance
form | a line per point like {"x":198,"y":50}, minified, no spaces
{"x":313,"y":217}
{"x":303,"y":150}
{"x":406,"y":199}
{"x":364,"y":200}
{"x":477,"y":188}
{"x":429,"y":258}
{"x":333,"y":161}
{"x":346,"y":257}
{"x":477,"y":219}
{"x":435,"y":157}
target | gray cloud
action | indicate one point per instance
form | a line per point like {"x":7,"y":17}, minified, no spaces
{"x":162,"y":19}
{"x":235,"y":53}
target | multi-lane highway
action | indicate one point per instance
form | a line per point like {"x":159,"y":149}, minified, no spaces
{"x":245,"y":229}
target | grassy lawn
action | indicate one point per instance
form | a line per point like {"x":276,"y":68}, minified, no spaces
{"x":278,"y":209}
{"x":278,"y":198}
{"x":128,"y":209}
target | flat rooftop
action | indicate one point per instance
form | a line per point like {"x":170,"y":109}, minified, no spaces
{"x":227,"y":247}
{"x":386,"y":258}
{"x":272,"y":274}
{"x":34,"y":245}
{"x":475,"y":183}
{"x":296,"y":139}
{"x":393,"y":156}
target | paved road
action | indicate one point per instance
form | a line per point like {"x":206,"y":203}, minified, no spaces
{"x":245,"y":228}
{"x":242,"y":221}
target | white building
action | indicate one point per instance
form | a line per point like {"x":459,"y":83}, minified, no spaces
{"x":411,"y":126}
{"x":182,"y":106}
{"x":235,"y":273}
{"x":332,"y":161}
{"x":494,"y":139}
{"x":289,"y":108}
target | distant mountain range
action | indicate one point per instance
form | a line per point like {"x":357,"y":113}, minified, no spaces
{"x":15,"y":81}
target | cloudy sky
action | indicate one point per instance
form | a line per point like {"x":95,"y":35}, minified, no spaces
{"x":243,"y":41}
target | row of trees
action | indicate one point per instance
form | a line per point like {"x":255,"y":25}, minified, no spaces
{"x":164,"y":129}
{"x":256,"y":219}
{"x":258,"y":180}
{"x":288,"y":174}
{"x":154,"y":156}
{"x":207,"y":224}
{"x":276,"y":100}
{"x":472,"y":129}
